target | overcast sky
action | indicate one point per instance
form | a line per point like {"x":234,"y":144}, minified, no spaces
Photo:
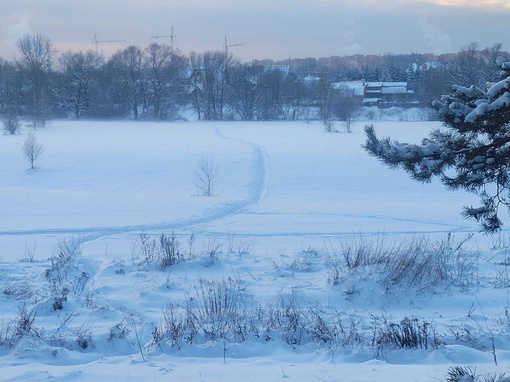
{"x":273,"y":29}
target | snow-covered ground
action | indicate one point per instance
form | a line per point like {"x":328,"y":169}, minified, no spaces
{"x":290,"y":204}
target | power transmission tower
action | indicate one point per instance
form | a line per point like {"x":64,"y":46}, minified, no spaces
{"x":227,"y":45}
{"x":171,"y":35}
{"x":96,"y":42}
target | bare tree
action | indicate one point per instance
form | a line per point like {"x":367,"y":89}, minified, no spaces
{"x":344,"y":105}
{"x":128,"y":70}
{"x":35,"y":61}
{"x":325,"y":103}
{"x":270,"y":103}
{"x":209,"y":78}
{"x":245,"y":90}
{"x":10,"y":94}
{"x":469,"y":67}
{"x":164,"y":72}
{"x":76,"y":81}
{"x":295,"y":94}
{"x":205,"y":176}
{"x":490,"y":70}
{"x":32,"y":149}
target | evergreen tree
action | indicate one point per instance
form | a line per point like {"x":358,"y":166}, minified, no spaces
{"x":472,"y":153}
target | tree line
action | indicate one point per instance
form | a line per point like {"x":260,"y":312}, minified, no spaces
{"x":157,"y":83}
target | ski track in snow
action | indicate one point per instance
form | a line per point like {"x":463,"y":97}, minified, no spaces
{"x":260,"y":184}
{"x":261,"y":165}
{"x":259,"y":188}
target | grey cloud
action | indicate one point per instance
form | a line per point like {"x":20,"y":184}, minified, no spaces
{"x":266,"y":28}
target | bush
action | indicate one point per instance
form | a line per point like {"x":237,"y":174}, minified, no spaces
{"x":364,"y":251}
{"x":25,"y":322}
{"x":57,"y":275}
{"x":23,"y":325}
{"x":217,"y":310}
{"x":11,"y":124}
{"x":417,"y":262}
{"x":407,"y":334}
{"x":219,"y":307}
{"x":170,"y":253}
{"x":164,"y":251}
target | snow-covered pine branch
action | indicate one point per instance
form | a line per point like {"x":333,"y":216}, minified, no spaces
{"x":472,"y":153}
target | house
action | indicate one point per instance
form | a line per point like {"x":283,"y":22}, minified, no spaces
{"x":387,"y":94}
{"x":282,"y":68}
{"x":357,"y":88}
{"x":380,"y":94}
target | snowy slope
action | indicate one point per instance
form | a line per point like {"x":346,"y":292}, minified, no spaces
{"x":290,"y":201}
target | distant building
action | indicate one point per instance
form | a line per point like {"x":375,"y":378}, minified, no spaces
{"x":356,"y":87}
{"x":387,"y":94}
{"x":283,"y":68}
{"x":380,"y":94}
{"x":311,"y":80}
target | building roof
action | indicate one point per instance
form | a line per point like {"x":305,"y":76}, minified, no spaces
{"x":387,"y":87}
{"x":357,"y":87}
{"x":283,"y":68}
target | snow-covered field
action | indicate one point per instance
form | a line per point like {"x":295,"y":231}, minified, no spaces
{"x":274,"y":247}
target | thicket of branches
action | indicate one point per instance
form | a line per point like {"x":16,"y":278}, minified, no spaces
{"x":157,"y":82}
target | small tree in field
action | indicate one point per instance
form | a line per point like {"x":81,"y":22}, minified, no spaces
{"x":205,"y":176}
{"x":32,"y":149}
{"x":473,"y":153}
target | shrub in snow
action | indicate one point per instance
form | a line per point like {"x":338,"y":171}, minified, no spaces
{"x":415,"y":263}
{"x":58,"y":275}
{"x":170,"y":252}
{"x":334,"y":268}
{"x":25,"y":322}
{"x":219,"y":308}
{"x":171,"y":329}
{"x":11,"y":124}
{"x":239,"y":247}
{"x":409,"y":333}
{"x":329,"y":125}
{"x":472,"y":154}
{"x":83,"y":340}
{"x":23,"y":325}
{"x":306,"y":260}
{"x":164,"y":251}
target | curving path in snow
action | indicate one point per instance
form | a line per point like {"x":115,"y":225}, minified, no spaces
{"x":221,"y":210}
{"x":260,"y":165}
{"x":291,"y":181}
{"x":303,"y":192}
